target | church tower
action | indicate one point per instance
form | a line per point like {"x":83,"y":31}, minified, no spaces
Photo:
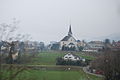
{"x":70,"y":31}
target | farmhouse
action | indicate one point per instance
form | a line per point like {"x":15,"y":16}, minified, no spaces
{"x":72,"y":57}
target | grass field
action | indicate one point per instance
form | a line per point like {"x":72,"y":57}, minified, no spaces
{"x":49,"y":58}
{"x":52,"y":75}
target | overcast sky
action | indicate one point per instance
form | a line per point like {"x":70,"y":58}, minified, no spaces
{"x":48,"y":20}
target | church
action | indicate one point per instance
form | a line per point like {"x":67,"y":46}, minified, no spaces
{"x":68,"y":43}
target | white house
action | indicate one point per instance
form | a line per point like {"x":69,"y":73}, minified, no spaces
{"x":94,"y":46}
{"x":72,"y":57}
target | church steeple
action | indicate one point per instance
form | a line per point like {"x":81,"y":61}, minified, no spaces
{"x":70,"y":31}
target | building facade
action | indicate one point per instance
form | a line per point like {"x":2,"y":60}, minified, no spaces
{"x":94,"y":46}
{"x":68,"y":43}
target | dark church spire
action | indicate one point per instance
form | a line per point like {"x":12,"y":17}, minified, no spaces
{"x":70,"y":31}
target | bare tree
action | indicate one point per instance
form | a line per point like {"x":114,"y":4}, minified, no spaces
{"x":8,"y":35}
{"x":109,"y":63}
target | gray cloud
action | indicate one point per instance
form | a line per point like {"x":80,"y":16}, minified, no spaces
{"x":48,"y":20}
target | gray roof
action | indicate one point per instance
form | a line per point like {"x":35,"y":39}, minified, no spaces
{"x":74,"y":55}
{"x":66,"y":38}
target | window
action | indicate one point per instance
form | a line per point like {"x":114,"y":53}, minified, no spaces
{"x":75,"y":57}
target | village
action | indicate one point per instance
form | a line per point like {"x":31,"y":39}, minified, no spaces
{"x":68,"y":43}
{"x":68,"y":52}
{"x":59,"y":39}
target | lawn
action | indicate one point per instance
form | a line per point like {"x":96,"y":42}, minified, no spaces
{"x":52,"y":75}
{"x":49,"y":58}
{"x":46,"y":58}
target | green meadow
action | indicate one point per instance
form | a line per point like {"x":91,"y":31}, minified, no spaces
{"x":51,"y":75}
{"x":48,"y":59}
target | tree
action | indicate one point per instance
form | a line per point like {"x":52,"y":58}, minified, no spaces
{"x":107,"y":44}
{"x":22,"y":47}
{"x":107,"y":41}
{"x":8,"y":35}
{"x":10,"y":38}
{"x":42,"y":46}
{"x":55,"y":47}
{"x":109,"y":63}
{"x":63,"y":48}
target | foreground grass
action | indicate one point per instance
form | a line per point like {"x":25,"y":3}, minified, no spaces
{"x":51,"y":75}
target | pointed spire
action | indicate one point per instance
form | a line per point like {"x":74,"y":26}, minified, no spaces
{"x":70,"y":31}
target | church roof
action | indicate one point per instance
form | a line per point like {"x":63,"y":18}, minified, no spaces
{"x":66,"y":38}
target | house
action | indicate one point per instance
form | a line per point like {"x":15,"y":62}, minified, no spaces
{"x":90,"y":50}
{"x":54,"y":45}
{"x":94,"y":46}
{"x":116,"y":45}
{"x":81,"y":43}
{"x":72,"y":57}
{"x":68,"y":43}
